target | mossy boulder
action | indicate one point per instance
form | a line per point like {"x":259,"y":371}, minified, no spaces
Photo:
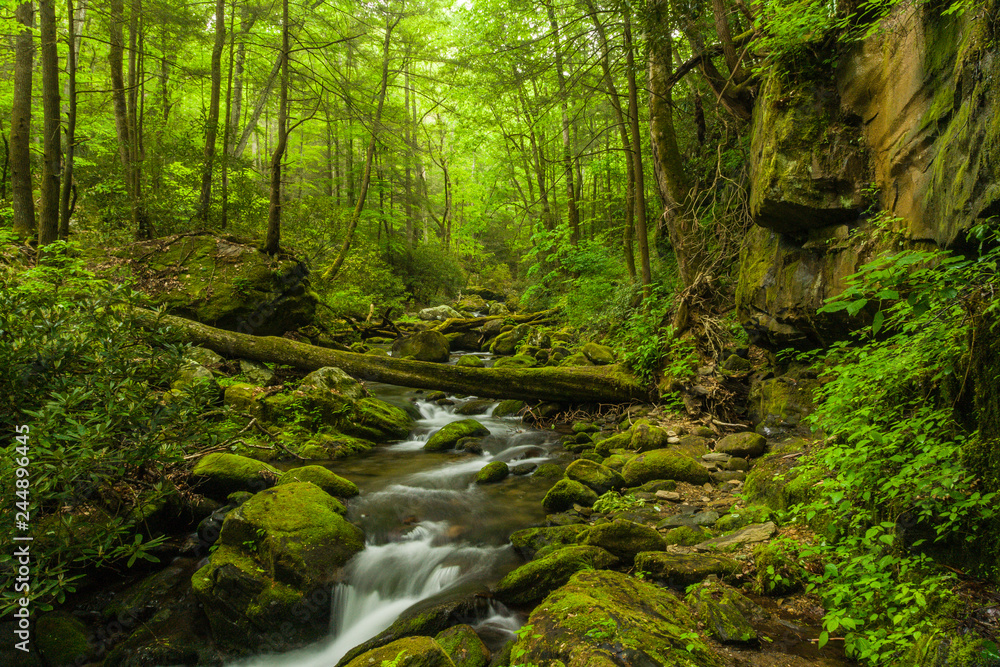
{"x":532,"y":581}
{"x":476,"y":406}
{"x":780,"y":482}
{"x":567,"y":492}
{"x":681,"y":570}
{"x":423,"y":346}
{"x":217,"y":475}
{"x":603,"y":618}
{"x":406,"y":652}
{"x":645,"y":437}
{"x":472,"y":303}
{"x":531,"y":541}
{"x":448,"y":436}
{"x":516,"y":361}
{"x":61,"y":639}
{"x":664,"y":464}
{"x":224,"y":283}
{"x":617,"y":461}
{"x":317,"y":408}
{"x":463,"y":646}
{"x":438,"y":313}
{"x":777,"y":406}
{"x":332,"y":445}
{"x":279,"y":554}
{"x":549,"y":471}
{"x":599,"y":355}
{"x":624,"y":538}
{"x":509,"y":408}
{"x":496,"y":471}
{"x":744,"y":445}
{"x":506,"y":343}
{"x":685,"y":536}
{"x":725,"y":612}
{"x":598,"y":477}
{"x":192,"y":376}
{"x":576,"y":359}
{"x":244,"y":398}
{"x":618,"y":441}
{"x":470,"y":361}
{"x":334,"y":379}
{"x":322,"y":477}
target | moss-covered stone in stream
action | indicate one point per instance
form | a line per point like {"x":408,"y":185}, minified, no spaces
{"x":506,"y":343}
{"x":463,"y":646}
{"x":334,"y":379}
{"x":330,"y":482}
{"x":509,"y":408}
{"x":531,"y":541}
{"x":599,"y":478}
{"x":516,"y":361}
{"x":61,"y":638}
{"x":624,"y":538}
{"x":423,"y":346}
{"x":333,"y":445}
{"x":681,"y":570}
{"x":565,"y":493}
{"x":316,"y":407}
{"x":470,"y":361}
{"x":548,"y":471}
{"x":664,"y":464}
{"x":534,"y":580}
{"x":603,"y":618}
{"x":279,"y":554}
{"x":448,"y":436}
{"x":217,"y":475}
{"x":496,"y":471}
{"x":407,"y":652}
{"x":726,"y":613}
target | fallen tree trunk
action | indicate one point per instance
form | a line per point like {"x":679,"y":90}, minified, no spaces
{"x":458,"y":324}
{"x":572,"y":384}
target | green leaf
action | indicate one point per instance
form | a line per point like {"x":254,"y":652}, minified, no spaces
{"x":877,"y":322}
{"x":855,"y":307}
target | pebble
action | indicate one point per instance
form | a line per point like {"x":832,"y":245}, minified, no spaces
{"x":668,"y":495}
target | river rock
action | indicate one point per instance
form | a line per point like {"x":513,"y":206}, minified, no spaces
{"x":496,"y":471}
{"x":472,"y":303}
{"x":646,"y":437}
{"x":599,"y":355}
{"x":477,"y":406}
{"x":423,"y":346}
{"x":743,"y":445}
{"x":603,"y":618}
{"x":463,"y":646}
{"x":217,"y":475}
{"x":530,"y":542}
{"x":279,"y":554}
{"x":532,"y":581}
{"x":506,"y":343}
{"x":330,"y":482}
{"x":406,"y":652}
{"x":438,"y":313}
{"x":256,"y":372}
{"x":61,"y":639}
{"x":244,"y":398}
{"x":681,"y":570}
{"x":565,"y":493}
{"x":334,"y":379}
{"x":499,"y":308}
{"x":617,"y":441}
{"x":752,"y":534}
{"x":725,"y":612}
{"x":448,"y":436}
{"x":470,"y":361}
{"x":509,"y":408}
{"x":685,"y":536}
{"x":598,"y":477}
{"x":624,"y":538}
{"x":663,"y":464}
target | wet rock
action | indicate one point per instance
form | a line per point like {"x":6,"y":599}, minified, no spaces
{"x":624,"y":539}
{"x":594,"y":475}
{"x":509,"y":408}
{"x":549,"y":470}
{"x":406,"y":652}
{"x":497,"y":471}
{"x":532,"y":581}
{"x":330,"y":482}
{"x":438,"y":313}
{"x":743,"y":445}
{"x":599,"y":355}
{"x":507,"y":343}
{"x":617,"y":461}
{"x":749,"y":535}
{"x":334,"y":379}
{"x":728,"y":476}
{"x":217,"y":475}
{"x":737,"y":463}
{"x":463,"y":646}
{"x":663,"y":464}
{"x":470,"y":361}
{"x":618,"y":441}
{"x":477,"y":406}
{"x":204,"y":357}
{"x":603,"y":618}
{"x":565,"y":493}
{"x":531,"y":541}
{"x":778,"y":405}
{"x":61,"y":639}
{"x":423,"y":346}
{"x":448,"y":436}
{"x":523,"y":468}
{"x":681,"y":570}
{"x":671,"y":496}
{"x":516,"y":361}
{"x":725,"y":612}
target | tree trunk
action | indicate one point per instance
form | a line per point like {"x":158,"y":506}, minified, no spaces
{"x":330,"y":273}
{"x":227,"y":132}
{"x":48,"y":215}
{"x":640,"y":185}
{"x":66,"y":206}
{"x":273,"y":241}
{"x":212,"y":122}
{"x":570,"y":384}
{"x":23,"y":199}
{"x":573,"y":214}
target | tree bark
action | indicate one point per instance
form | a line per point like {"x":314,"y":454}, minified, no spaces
{"x":273,"y":241}
{"x":48,"y":215}
{"x":573,"y":214}
{"x":23,"y":200}
{"x":212,"y":122}
{"x":640,"y":184}
{"x":65,"y":205}
{"x":572,"y":384}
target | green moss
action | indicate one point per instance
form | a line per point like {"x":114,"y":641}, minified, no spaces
{"x":531,"y":582}
{"x":62,"y":639}
{"x":448,"y":436}
{"x":664,"y":464}
{"x":548,"y":471}
{"x":685,"y":536}
{"x":495,"y":471}
{"x":516,"y":361}
{"x":565,"y":493}
{"x":463,"y":646}
{"x":685,"y":569}
{"x":725,"y":612}
{"x":407,"y":652}
{"x":778,"y":571}
{"x":594,"y":475}
{"x":509,"y":408}
{"x":330,"y":482}
{"x":221,"y":474}
{"x":531,"y":540}
{"x":624,"y":538}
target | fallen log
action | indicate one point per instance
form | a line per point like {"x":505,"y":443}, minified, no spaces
{"x":459,"y":324}
{"x":570,"y":384}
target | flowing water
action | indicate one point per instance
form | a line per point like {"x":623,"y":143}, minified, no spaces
{"x":432,"y":534}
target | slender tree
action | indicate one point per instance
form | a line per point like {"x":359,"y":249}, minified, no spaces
{"x":212,"y":122}
{"x":72,"y":52}
{"x":272,"y":243}
{"x":20,"y":126}
{"x":48,"y":215}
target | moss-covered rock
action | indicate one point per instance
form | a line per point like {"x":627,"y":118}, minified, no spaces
{"x":603,"y":619}
{"x":507,"y":342}
{"x":532,"y":581}
{"x":509,"y":408}
{"x":192,"y":376}
{"x":576,"y":359}
{"x":334,"y":379}
{"x":725,"y":612}
{"x":407,"y":652}
{"x":777,"y":566}
{"x":463,"y":646}
{"x":470,"y":361}
{"x":745,"y":445}
{"x":316,"y":408}
{"x":442,"y":312}
{"x":624,"y":538}
{"x":777,"y":406}
{"x":599,"y":355}
{"x":594,"y":475}
{"x":617,"y":461}
{"x":565,"y":493}
{"x":548,"y":471}
{"x":217,"y":475}
{"x":61,"y":639}
{"x":516,"y":361}
{"x":531,"y":541}
{"x":663,"y":464}
{"x":496,"y":471}
{"x":646,"y":437}
{"x":780,"y":482}
{"x":423,"y":346}
{"x":448,"y":436}
{"x":244,"y":398}
{"x":322,"y":477}
{"x":685,"y":536}
{"x":332,"y":445}
{"x":618,"y":441}
{"x":681,"y":570}
{"x":278,"y":555}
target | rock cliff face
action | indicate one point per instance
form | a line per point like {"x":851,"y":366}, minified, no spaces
{"x":909,"y":127}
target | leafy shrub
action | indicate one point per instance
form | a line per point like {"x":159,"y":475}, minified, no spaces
{"x":429,"y":272}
